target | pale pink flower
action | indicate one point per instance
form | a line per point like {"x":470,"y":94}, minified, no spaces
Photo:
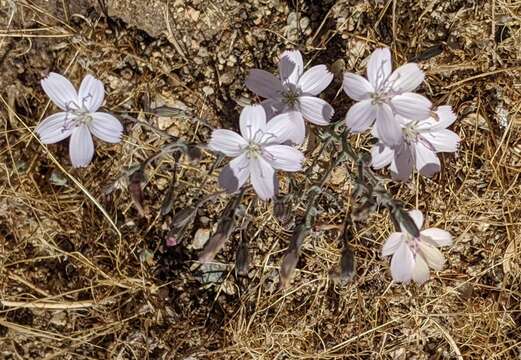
{"x":79,"y":118}
{"x":412,"y":257}
{"x":422,"y":140}
{"x":257,"y":151}
{"x":294,"y":90}
{"x":384,"y":94}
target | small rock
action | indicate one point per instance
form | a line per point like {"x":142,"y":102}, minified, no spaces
{"x":59,"y":319}
{"x":208,"y":90}
{"x":200,"y":238}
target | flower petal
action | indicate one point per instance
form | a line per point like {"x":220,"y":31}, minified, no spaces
{"x":60,"y":90}
{"x":234,"y":175}
{"x":406,"y":78}
{"x":417,"y":216}
{"x":412,"y":106}
{"x":379,"y":67}
{"x":227,"y":142}
{"x":360,"y":116}
{"x":392,"y":243}
{"x":262,"y":177}
{"x":106,"y":127}
{"x":445,"y":117}
{"x":426,"y":160}
{"x":284,"y":157}
{"x":315,"y":80}
{"x":91,"y":93}
{"x":437,"y":236}
{"x":357,"y":87}
{"x":402,"y":264}
{"x":443,"y":140}
{"x":81,"y":147}
{"x":286,"y":126}
{"x":402,"y":164}
{"x":315,"y":110}
{"x":291,"y":66}
{"x":252,"y":122}
{"x":388,"y":127}
{"x":432,"y":256}
{"x":264,"y":84}
{"x":381,"y":156}
{"x":421,"y":271}
{"x":241,"y":169}
{"x":52,"y":129}
{"x":272,"y":107}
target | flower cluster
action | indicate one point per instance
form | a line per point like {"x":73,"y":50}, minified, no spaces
{"x":409,"y":131}
{"x":290,"y":100}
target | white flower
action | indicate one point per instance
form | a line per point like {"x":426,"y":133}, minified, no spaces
{"x":79,"y":117}
{"x":256,"y":151}
{"x":296,"y":91}
{"x":412,"y":257}
{"x":422,"y":140}
{"x":385,"y":94}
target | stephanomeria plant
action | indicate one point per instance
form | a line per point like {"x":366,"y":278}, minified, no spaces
{"x":295,"y":91}
{"x":422,"y":140}
{"x":412,"y":257}
{"x":257,"y":151}
{"x":383,"y":95}
{"x":80,"y":117}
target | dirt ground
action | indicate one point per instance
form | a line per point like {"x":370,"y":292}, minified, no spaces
{"x":85,"y":275}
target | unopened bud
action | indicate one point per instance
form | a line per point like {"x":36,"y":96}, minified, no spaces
{"x":216,"y":242}
{"x":347,"y":263}
{"x":289,"y":263}
{"x":167,"y":111}
{"x":136,"y":192}
{"x":408,"y":223}
{"x":297,"y":239}
{"x":183,"y":217}
{"x":282,"y":210}
{"x":242,"y":259}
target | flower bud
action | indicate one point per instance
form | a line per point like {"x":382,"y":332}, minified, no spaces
{"x":136,"y":191}
{"x":216,"y":242}
{"x":282,"y":210}
{"x":183,"y":217}
{"x":242,"y":259}
{"x":406,"y":221}
{"x":347,"y":263}
{"x":288,"y":267}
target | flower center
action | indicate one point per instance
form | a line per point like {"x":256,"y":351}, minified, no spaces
{"x":290,"y":95}
{"x":76,"y":115}
{"x":253,"y":150}
{"x":414,"y":243}
{"x":410,"y":132}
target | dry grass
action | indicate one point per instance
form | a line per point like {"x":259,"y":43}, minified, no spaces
{"x":83,"y":275}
